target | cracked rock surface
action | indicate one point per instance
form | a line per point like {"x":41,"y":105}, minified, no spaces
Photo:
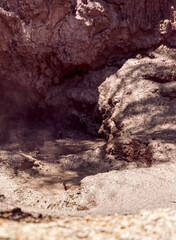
{"x":87,"y":118}
{"x":138,"y":108}
{"x":44,"y":41}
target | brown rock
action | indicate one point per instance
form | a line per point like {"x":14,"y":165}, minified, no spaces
{"x":43,"y":42}
{"x":138,"y":108}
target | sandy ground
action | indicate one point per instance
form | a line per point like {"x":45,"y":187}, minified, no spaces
{"x":48,"y":176}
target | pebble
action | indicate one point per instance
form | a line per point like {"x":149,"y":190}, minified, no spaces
{"x":157,"y":225}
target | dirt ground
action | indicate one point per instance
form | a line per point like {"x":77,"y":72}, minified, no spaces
{"x":44,"y":176}
{"x":37,"y":170}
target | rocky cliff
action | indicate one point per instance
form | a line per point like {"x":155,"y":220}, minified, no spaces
{"x":44,"y":44}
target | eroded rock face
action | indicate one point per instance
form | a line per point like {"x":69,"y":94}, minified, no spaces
{"x":76,"y":101}
{"x":138,"y":108}
{"x":43,"y":42}
{"x":60,"y":60}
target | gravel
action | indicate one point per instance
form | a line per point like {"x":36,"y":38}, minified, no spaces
{"x":157,"y":225}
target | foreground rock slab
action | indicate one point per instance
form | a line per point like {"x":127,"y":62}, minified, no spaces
{"x":157,"y":225}
{"x":130,"y":191}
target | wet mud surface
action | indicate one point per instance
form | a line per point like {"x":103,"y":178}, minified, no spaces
{"x":43,"y":178}
{"x":37,"y":170}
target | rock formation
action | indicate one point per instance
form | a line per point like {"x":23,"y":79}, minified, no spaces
{"x":81,"y":68}
{"x":42,"y":43}
{"x":138,"y":108}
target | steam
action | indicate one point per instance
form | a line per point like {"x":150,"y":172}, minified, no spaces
{"x":18,"y":107}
